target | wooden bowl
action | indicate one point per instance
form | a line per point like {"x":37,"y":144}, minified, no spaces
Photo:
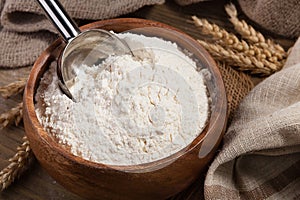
{"x":156,"y":180}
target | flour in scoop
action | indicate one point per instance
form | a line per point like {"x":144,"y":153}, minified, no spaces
{"x":129,"y":110}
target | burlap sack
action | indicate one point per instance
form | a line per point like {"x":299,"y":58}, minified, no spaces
{"x":279,"y":17}
{"x":25,"y":32}
{"x":1,"y":6}
{"x":27,"y":16}
{"x":188,"y":2}
{"x":260,"y":158}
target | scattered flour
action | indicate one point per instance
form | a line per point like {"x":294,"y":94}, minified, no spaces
{"x":136,"y":110}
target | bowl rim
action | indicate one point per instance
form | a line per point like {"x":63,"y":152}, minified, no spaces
{"x":31,"y":86}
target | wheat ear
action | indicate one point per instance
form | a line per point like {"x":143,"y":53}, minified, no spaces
{"x":253,"y":36}
{"x":230,"y":41}
{"x":18,"y":164}
{"x":239,"y":60}
{"x":220,"y":35}
{"x":13,"y":88}
{"x":14,"y":115}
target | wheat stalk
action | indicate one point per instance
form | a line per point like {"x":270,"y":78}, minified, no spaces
{"x":253,"y":36}
{"x":220,"y":35}
{"x":239,"y":60}
{"x":18,"y":164}
{"x":13,"y":88}
{"x":230,"y":41}
{"x":14,"y":115}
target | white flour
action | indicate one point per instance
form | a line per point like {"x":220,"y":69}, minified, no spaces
{"x":135,"y":111}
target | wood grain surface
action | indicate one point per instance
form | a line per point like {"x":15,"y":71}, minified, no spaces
{"x":36,"y":183}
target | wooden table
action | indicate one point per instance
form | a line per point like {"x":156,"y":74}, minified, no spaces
{"x":36,"y":183}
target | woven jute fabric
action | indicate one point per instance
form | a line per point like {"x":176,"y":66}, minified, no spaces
{"x":27,"y":16}
{"x":260,"y":157}
{"x":237,"y":86}
{"x":187,"y":2}
{"x":279,"y":17}
{"x":25,"y":32}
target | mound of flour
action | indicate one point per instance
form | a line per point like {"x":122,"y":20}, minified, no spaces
{"x":129,"y":110}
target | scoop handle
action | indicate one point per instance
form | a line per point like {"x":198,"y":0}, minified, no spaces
{"x":60,"y":19}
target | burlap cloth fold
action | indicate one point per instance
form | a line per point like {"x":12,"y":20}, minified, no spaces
{"x":260,"y":158}
{"x":25,"y":32}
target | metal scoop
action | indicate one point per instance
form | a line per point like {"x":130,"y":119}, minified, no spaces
{"x":89,"y":48}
